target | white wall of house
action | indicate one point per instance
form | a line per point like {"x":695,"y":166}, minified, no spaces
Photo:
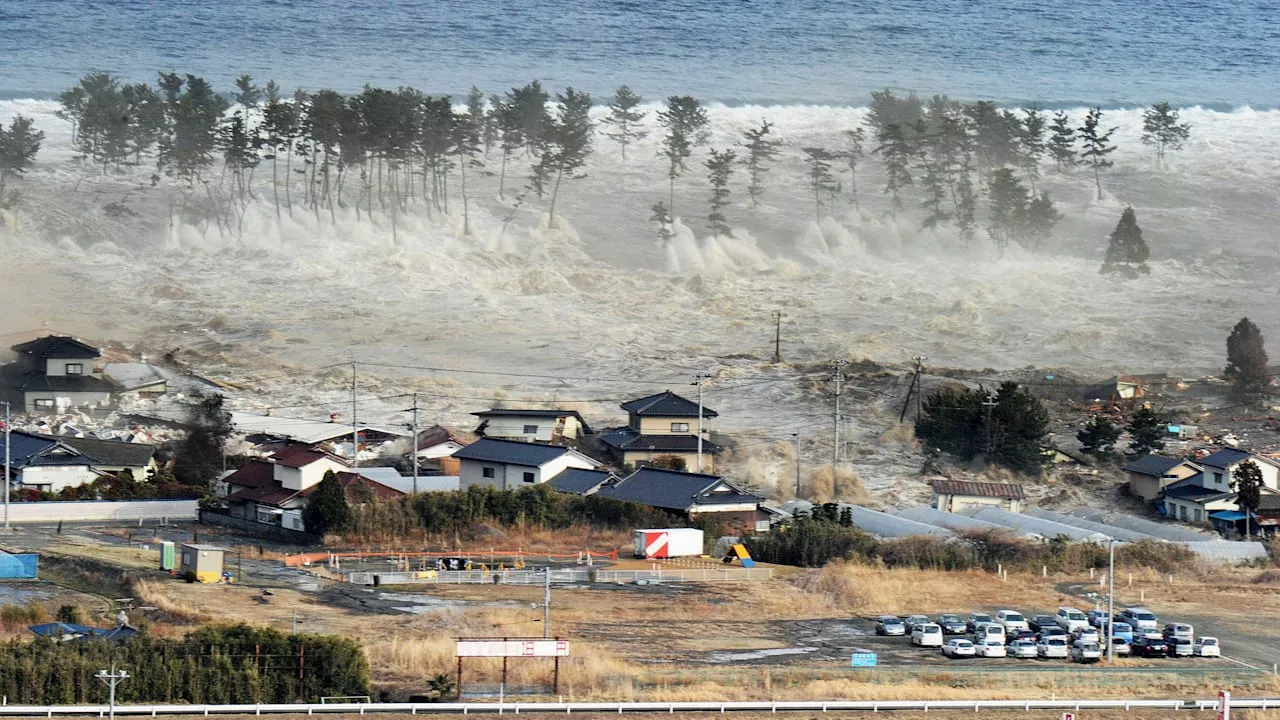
{"x":306,"y":476}
{"x":444,"y":449}
{"x":47,"y":401}
{"x":58,"y":367}
{"x":961,"y":503}
{"x":53,"y":478}
{"x":512,"y":477}
{"x":1193,"y":512}
{"x":536,"y":429}
{"x":564,"y":462}
{"x":1221,"y":478}
{"x":635,"y":457}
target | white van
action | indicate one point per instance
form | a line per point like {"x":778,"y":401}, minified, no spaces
{"x":927,"y":635}
{"x":989,"y":631}
{"x":1012,"y":620}
{"x":1069,"y":618}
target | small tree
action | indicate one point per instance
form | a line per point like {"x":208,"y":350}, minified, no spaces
{"x":1246,"y":361}
{"x":19,"y":144}
{"x":822,"y":182}
{"x":1062,"y":141}
{"x":1127,"y":252}
{"x":1096,"y":146}
{"x":895,"y":150}
{"x":201,"y":455}
{"x":1031,"y":141}
{"x":1161,"y":129}
{"x":1146,"y":431}
{"x":719,"y":170}
{"x":685,"y":121}
{"x":1246,"y":479}
{"x":1098,"y":436}
{"x":327,"y":509}
{"x":1008,"y":212}
{"x":623,"y":119}
{"x":662,"y":216}
{"x":568,"y":140}
{"x":760,"y":150}
{"x":853,"y":154}
{"x":1041,"y":218}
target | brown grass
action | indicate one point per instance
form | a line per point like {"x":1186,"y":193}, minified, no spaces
{"x":155,"y":594}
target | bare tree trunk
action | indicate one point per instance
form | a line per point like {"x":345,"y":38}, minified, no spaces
{"x":466,"y":214}
{"x":555,"y":193}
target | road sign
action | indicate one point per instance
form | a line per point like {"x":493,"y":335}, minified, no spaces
{"x":526,"y":647}
{"x":863,"y":659}
{"x":1224,"y":705}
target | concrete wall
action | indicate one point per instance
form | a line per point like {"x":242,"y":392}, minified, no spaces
{"x":56,"y":477}
{"x":94,"y":511}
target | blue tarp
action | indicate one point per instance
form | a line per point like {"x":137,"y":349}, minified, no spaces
{"x":66,"y":631}
{"x":1228,"y":515}
{"x":18,"y":567}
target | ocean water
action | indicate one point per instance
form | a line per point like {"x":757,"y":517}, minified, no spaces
{"x":1213,"y":53}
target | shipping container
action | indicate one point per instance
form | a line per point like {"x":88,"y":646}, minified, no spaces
{"x":668,"y":543}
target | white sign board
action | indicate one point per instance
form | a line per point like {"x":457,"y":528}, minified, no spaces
{"x":513,"y":648}
{"x":1224,"y":705}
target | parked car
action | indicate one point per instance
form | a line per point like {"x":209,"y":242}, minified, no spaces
{"x":976,"y":618}
{"x":890,"y":625}
{"x":1051,"y":631}
{"x":1022,"y":649}
{"x":1120,"y":646}
{"x":1088,"y":634}
{"x":1180,"y":647}
{"x":1149,"y":647}
{"x":1012,"y":620}
{"x":1024,"y":635}
{"x":991,"y":630}
{"x":1052,"y":647}
{"x":1179,"y":631}
{"x":913,"y":620}
{"x":958,"y":648}
{"x":990,"y":648}
{"x":1039,"y":622}
{"x":927,"y":635}
{"x":1069,"y":618}
{"x":952,"y":624}
{"x":1122,"y":630}
{"x":1140,"y":618}
{"x":1085,"y":652}
{"x":1097,"y":618}
{"x":1206,"y":646}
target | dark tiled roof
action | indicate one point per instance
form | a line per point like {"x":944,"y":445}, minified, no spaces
{"x":25,"y":446}
{"x":579,"y":481}
{"x":1268,"y":501}
{"x":438,"y":435}
{"x":57,"y":346}
{"x":1153,"y":465}
{"x":273,"y":493}
{"x":945,"y":486}
{"x":1224,"y":458}
{"x":1194,"y":493}
{"x":297,"y":456}
{"x":253,"y":474}
{"x":666,"y":404}
{"x":674,"y":490}
{"x":628,"y":439}
{"x":511,"y":452}
{"x":111,"y":452}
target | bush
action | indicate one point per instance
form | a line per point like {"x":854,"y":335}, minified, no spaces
{"x":70,"y":614}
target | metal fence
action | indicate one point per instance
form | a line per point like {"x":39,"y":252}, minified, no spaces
{"x":19,"y":567}
{"x":559,"y":576}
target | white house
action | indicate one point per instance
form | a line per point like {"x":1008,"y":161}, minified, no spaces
{"x":958,"y":496}
{"x":54,"y":373}
{"x":545,"y":426}
{"x":51,"y":463}
{"x":511,"y":464}
{"x":1219,"y":467}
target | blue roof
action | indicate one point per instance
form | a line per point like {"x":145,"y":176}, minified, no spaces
{"x":60,"y":630}
{"x":1224,"y":458}
{"x":511,"y":452}
{"x":1228,"y":515}
{"x":1153,"y":465}
{"x":579,"y":481}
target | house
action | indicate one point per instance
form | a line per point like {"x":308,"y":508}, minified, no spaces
{"x":1116,"y":390}
{"x":141,"y":379}
{"x":1266,"y":520}
{"x":55,"y":373}
{"x":1149,"y":475}
{"x":270,"y":430}
{"x":436,"y":446}
{"x":957,"y":496}
{"x":1190,"y":501}
{"x":69,"y":632}
{"x":392,"y":478}
{"x":577,"y":481}
{"x":692,"y":495}
{"x":511,"y":464}
{"x":50,"y":463}
{"x":1219,"y":466}
{"x":663,"y":426}
{"x":546,"y":426}
{"x":275,"y":491}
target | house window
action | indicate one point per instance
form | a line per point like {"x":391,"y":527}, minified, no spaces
{"x":43,"y":403}
{"x":530,"y":429}
{"x":679,"y":427}
{"x":528,"y":477}
{"x":1217,"y":478}
{"x":75,"y":368}
{"x":488,"y":472}
{"x":1197,"y":511}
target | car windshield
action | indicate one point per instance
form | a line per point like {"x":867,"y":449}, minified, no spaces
{"x":1023,"y":643}
{"x":949,"y":618}
{"x":889,"y":619}
{"x":931,"y":629}
{"x":1122,"y":627}
{"x":1075,"y":616}
{"x":1056,"y":641}
{"x":964,"y":643}
{"x":1144,"y":616}
{"x":1015,"y":617}
{"x":1208,"y":641}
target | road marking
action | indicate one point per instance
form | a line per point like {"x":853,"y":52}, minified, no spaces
{"x":1240,"y":662}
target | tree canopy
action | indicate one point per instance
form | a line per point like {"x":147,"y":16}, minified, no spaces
{"x":1007,"y":427}
{"x":327,"y":509}
{"x":1127,"y":251}
{"x":1246,"y":361}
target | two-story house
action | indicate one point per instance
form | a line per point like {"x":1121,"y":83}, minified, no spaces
{"x":51,"y":463}
{"x":1219,"y":466}
{"x":1198,"y":497}
{"x":532,"y":425}
{"x":513,"y":464}
{"x":54,"y":373}
{"x":663,"y":426}
{"x":1149,"y":475}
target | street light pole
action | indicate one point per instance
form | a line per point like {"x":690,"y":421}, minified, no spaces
{"x":7,"y":462}
{"x":1111,"y":600}
{"x":112,"y":679}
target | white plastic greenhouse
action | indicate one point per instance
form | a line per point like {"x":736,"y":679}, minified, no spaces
{"x":1164,"y":531}
{"x":953,"y":521}
{"x":1039,"y":526}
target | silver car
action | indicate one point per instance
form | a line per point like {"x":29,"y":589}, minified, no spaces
{"x":890,"y":625}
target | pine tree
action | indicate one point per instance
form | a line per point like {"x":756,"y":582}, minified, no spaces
{"x":686,"y":123}
{"x":1032,"y":143}
{"x":887,"y":109}
{"x":933,"y":173}
{"x":1161,"y":129}
{"x":662,"y":216}
{"x":1146,"y":431}
{"x":822,"y":181}
{"x":1127,"y":252}
{"x":530,"y":106}
{"x":1041,"y":218}
{"x":280,"y":123}
{"x":568,"y":140}
{"x":19,"y":145}
{"x":1247,"y":481}
{"x":247,"y":94}
{"x":483,"y":119}
{"x":1098,"y":436}
{"x":853,"y":154}
{"x":1062,"y":141}
{"x":760,"y":150}
{"x":507,"y":119}
{"x":623,"y":119}
{"x":1096,"y":146}
{"x":719,"y":170}
{"x":1006,"y":217}
{"x":467,"y":137}
{"x":327,"y":510}
{"x":1246,"y":361}
{"x":966,"y":202}
{"x":895,"y":151}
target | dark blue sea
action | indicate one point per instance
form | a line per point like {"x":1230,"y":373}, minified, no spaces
{"x":1110,"y":52}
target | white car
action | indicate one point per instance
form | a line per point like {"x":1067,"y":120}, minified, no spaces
{"x":1052,"y":647}
{"x":1141,"y":619}
{"x":1120,"y":645}
{"x":1069,"y":618}
{"x":990,"y":648}
{"x":1206,"y":646}
{"x":989,"y":630}
{"x":1086,"y":634}
{"x":958,"y":648}
{"x":1022,"y":649}
{"x":1012,"y":620}
{"x":927,"y":635}
{"x":1086,"y":652}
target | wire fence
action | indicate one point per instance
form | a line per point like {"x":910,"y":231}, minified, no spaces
{"x":559,"y":576}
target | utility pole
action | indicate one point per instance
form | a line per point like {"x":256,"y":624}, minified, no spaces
{"x":697,"y":380}
{"x":913,"y":388}
{"x":112,"y":679}
{"x":777,"y":338}
{"x":919,"y":388}
{"x":796,"y":435}
{"x":413,"y":446}
{"x":990,"y":404}
{"x":355,"y":429}
{"x":546,"y":604}
{"x":1111,"y":599}
{"x":7,"y":462}
{"x":835,"y":450}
